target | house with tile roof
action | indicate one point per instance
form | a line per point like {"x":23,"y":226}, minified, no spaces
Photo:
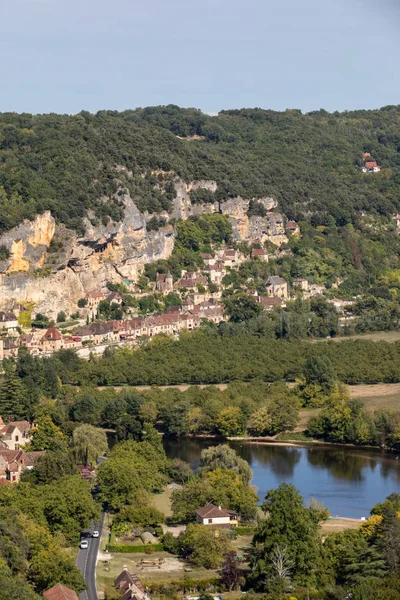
{"x":15,"y":434}
{"x":60,"y":592}
{"x":370,"y":166}
{"x":52,"y":340}
{"x":210,"y":514}
{"x":130,"y":586}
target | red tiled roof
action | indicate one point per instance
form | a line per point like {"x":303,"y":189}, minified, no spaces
{"x":291,"y":225}
{"x":210,"y":511}
{"x":52,"y":334}
{"x":370,"y":164}
{"x":60,"y":592}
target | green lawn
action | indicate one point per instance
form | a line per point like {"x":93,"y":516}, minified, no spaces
{"x":163,"y":502}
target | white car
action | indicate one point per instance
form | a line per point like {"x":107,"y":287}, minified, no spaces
{"x":95,"y":534}
{"x":84,"y":545}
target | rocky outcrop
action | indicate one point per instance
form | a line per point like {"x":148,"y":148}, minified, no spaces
{"x":28,"y":243}
{"x":271,"y":227}
{"x":55,"y":275}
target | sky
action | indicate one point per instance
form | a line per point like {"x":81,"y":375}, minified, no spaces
{"x":70,"y":55}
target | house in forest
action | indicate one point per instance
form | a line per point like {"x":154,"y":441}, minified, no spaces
{"x":370,"y":166}
{"x":210,"y":514}
{"x":293,"y":227}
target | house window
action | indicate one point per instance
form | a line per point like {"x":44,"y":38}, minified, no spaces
{"x":16,"y":438}
{"x":209,"y":520}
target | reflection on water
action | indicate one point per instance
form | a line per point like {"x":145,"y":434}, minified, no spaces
{"x":347,"y":480}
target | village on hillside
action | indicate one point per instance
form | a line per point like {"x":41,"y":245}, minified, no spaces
{"x":193,"y":299}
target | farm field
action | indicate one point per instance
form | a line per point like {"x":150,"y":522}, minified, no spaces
{"x":378,"y":395}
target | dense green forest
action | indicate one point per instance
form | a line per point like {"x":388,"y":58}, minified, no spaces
{"x":308,"y":162}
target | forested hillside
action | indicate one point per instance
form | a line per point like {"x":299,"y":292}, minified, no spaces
{"x":309,"y":163}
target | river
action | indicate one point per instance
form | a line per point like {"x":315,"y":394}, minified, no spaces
{"x":349,"y":481}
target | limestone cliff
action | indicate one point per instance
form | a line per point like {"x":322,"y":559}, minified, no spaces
{"x":53,"y":267}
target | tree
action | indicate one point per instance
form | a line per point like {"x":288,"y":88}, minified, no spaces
{"x":205,"y":546}
{"x":54,"y":465}
{"x":68,"y":506}
{"x":241,"y":307}
{"x":319,"y":370}
{"x":61,"y":317}
{"x":146,"y":516}
{"x":230,"y":421}
{"x":46,"y":435}
{"x":284,"y":413}
{"x":54,"y":565}
{"x":231,"y":573}
{"x":82,"y":302}
{"x":291,"y":526}
{"x":13,"y":395}
{"x":88,"y":443}
{"x":15,"y":588}
{"x":260,"y":422}
{"x":180,"y":471}
{"x":225,"y":457}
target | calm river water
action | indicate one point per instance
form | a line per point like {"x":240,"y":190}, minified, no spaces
{"x":348,"y":481}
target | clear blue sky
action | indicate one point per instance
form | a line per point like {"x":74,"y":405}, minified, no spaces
{"x":70,"y":55}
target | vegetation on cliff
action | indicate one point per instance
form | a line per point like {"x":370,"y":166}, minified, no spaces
{"x":309,"y":163}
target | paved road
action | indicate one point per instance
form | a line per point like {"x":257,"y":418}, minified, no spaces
{"x":86,"y":562}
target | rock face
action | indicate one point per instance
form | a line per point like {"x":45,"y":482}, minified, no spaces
{"x":271,"y":227}
{"x":55,"y":279}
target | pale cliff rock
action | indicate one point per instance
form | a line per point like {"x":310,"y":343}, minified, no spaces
{"x":54,"y":280}
{"x":271,"y":227}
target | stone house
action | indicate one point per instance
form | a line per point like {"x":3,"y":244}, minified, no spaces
{"x":216,"y":516}
{"x":302,"y":284}
{"x":190,"y":281}
{"x":276,"y":286}
{"x":260,"y":253}
{"x":84,"y":334}
{"x":8,"y":321}
{"x":93,"y":299}
{"x":209,"y":259}
{"x":30,"y":341}
{"x":52,"y":340}
{"x":114,"y":298}
{"x":231,"y":258}
{"x":104,"y":331}
{"x":269,"y":303}
{"x":14,"y":435}
{"x":164,"y":282}
{"x":15,"y":462}
{"x":293,"y":227}
{"x":8,"y":348}
{"x":216,"y":272}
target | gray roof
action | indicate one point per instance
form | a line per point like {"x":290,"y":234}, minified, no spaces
{"x":274,"y":280}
